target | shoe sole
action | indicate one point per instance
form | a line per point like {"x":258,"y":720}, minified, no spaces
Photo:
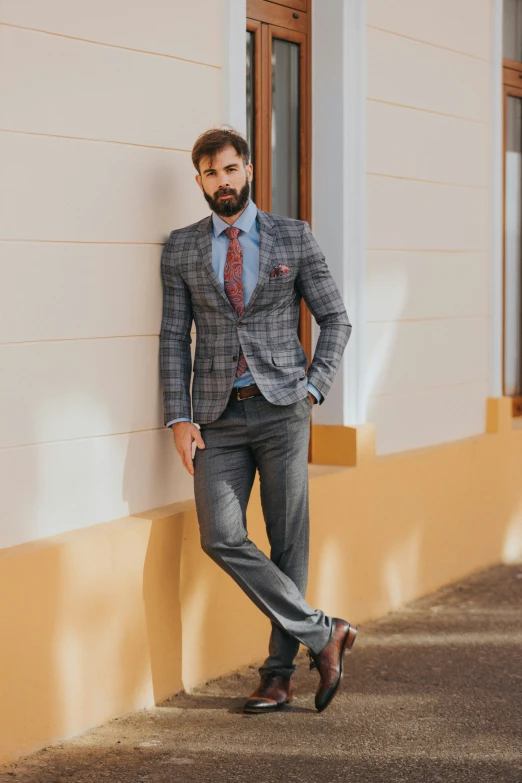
{"x":348,"y":643}
{"x":261,"y":710}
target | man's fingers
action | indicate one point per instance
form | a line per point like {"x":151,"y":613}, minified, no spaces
{"x":200,"y":443}
{"x":187,"y":459}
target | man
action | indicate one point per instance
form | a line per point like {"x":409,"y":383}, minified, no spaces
{"x":240,"y":275}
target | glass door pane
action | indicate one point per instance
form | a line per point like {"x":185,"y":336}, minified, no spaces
{"x":513,"y":254}
{"x":285,"y":128}
{"x":512,"y":35}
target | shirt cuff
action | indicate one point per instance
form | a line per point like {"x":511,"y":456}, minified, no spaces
{"x":317,"y":394}
{"x":170,"y":423}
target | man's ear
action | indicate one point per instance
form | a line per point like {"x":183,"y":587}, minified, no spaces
{"x":250,"y":171}
{"x":198,"y":180}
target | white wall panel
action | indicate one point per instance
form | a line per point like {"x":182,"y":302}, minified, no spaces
{"x":172,"y":27}
{"x":94,"y":192}
{"x":77,"y":389}
{"x":53,"y":488}
{"x":53,"y":291}
{"x":408,"y":355}
{"x":405,"y":214}
{"x":412,"y":420}
{"x":103,"y":93}
{"x":410,"y":73}
{"x":419,"y":145}
{"x":428,"y":220}
{"x":462,"y":25}
{"x":403,"y":285}
{"x":101,"y":105}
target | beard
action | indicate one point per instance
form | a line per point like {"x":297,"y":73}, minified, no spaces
{"x":230,"y":206}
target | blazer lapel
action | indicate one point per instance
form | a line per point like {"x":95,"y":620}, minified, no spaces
{"x":266,"y":242}
{"x":204,"y":241}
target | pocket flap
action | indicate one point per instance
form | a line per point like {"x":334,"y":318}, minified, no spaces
{"x":286,"y":358}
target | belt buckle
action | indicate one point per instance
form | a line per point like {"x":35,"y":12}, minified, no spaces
{"x":244,"y":398}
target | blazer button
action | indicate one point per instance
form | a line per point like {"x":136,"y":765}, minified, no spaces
{"x":235,"y":358}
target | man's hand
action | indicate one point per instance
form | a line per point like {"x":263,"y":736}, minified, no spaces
{"x":184,"y":433}
{"x":312,"y":398}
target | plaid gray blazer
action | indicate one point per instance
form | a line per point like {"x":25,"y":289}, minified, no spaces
{"x":267,"y":330}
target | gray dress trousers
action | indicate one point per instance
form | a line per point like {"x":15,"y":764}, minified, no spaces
{"x":250,"y":435}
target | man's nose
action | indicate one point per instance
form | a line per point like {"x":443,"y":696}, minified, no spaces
{"x":223,"y":181}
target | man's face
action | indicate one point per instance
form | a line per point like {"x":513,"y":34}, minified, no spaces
{"x":225,"y":182}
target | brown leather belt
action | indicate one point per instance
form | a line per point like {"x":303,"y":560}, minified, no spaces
{"x":245,"y":392}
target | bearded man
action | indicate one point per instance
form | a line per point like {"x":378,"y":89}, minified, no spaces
{"x":240,"y":275}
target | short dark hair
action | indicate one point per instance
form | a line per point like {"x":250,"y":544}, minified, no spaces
{"x":217,"y":139}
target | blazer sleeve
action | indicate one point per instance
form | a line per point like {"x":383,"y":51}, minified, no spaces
{"x":175,"y":337}
{"x":324,"y":301}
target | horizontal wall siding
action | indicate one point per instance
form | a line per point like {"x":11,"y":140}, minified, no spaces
{"x":411,"y":215}
{"x":174,"y":28}
{"x":461,"y":25}
{"x":426,"y":353}
{"x":428,"y":220}
{"x":88,"y":191}
{"x":428,"y":417}
{"x":425,"y":146}
{"x":104,"y":93}
{"x":425,"y":284}
{"x":98,"y":117}
{"x":67,"y":290}
{"x":68,"y":485}
{"x":78,"y":389}
{"x":411,"y":73}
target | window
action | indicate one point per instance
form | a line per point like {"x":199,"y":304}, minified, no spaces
{"x":278,"y":113}
{"x":512,"y":78}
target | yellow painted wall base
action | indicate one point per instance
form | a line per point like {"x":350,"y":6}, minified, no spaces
{"x":121,"y":615}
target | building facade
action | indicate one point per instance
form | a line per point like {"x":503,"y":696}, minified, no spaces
{"x":394,"y":129}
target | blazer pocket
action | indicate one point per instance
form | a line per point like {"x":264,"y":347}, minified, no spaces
{"x":281,"y":279}
{"x":286,"y":358}
{"x":203,"y":364}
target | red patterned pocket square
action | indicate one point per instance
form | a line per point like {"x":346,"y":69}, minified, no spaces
{"x":280,"y":270}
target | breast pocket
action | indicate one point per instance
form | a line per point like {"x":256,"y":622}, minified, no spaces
{"x":282,"y":280}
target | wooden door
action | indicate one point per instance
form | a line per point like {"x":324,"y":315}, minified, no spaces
{"x":278,"y":114}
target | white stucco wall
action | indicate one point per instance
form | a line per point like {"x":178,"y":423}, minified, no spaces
{"x":99,"y":106}
{"x":428,"y":220}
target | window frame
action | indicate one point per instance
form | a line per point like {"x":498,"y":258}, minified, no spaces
{"x":512,"y":87}
{"x":269,"y":20}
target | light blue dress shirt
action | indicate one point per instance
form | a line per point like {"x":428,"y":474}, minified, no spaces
{"x":249,"y":240}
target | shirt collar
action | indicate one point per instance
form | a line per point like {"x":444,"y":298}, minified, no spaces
{"x":244,"y":222}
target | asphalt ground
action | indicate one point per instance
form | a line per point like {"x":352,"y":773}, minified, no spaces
{"x":432,"y":692}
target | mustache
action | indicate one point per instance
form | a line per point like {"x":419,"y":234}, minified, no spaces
{"x":226,"y":192}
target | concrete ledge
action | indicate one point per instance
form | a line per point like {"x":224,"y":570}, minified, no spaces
{"x":338,"y":445}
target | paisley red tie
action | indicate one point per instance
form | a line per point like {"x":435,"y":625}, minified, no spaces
{"x":233,"y":281}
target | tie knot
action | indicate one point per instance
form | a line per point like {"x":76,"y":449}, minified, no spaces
{"x":232,"y":233}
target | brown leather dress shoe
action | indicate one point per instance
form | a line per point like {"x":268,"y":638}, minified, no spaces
{"x":329,"y":662}
{"x":272,"y":693}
